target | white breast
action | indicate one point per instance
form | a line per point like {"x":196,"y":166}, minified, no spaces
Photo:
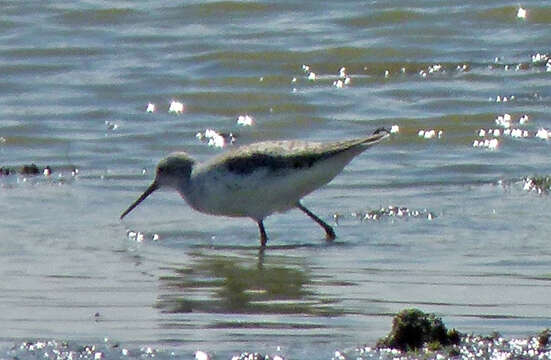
{"x":259,"y":193}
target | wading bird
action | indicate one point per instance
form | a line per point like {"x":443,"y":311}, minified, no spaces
{"x":259,"y":179}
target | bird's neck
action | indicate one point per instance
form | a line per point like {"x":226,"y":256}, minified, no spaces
{"x":183,"y":185}
{"x":191,"y":191}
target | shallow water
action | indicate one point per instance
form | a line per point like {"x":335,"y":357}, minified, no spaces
{"x":77,"y":77}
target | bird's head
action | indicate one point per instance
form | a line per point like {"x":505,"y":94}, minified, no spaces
{"x":173,"y":171}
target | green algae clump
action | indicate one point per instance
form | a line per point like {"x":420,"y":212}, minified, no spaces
{"x":538,"y":184}
{"x":412,"y":329}
{"x":544,"y":337}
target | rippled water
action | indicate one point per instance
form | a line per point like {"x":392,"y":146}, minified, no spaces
{"x":76,"y":79}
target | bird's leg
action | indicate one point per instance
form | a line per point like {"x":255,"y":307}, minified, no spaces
{"x":263,"y":236}
{"x":260,"y":263}
{"x":329,"y":232}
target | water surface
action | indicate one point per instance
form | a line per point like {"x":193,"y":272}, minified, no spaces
{"x":77,"y":77}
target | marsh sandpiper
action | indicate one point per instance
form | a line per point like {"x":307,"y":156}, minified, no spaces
{"x":259,"y":179}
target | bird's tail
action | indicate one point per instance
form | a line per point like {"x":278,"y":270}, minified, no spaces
{"x":355,"y":146}
{"x":381,"y":130}
{"x":378,"y":135}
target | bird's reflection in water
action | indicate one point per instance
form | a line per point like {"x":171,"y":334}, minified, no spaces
{"x":244,"y":283}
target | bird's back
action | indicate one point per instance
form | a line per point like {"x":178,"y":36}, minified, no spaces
{"x":288,"y":154}
{"x":259,"y":179}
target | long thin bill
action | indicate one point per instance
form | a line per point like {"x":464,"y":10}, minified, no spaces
{"x":146,"y":193}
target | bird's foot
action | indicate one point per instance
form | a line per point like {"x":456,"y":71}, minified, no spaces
{"x":330,"y":234}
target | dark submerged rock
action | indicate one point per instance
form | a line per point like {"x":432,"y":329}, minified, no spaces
{"x":5,"y":171}
{"x":27,"y":169}
{"x":31,"y":169}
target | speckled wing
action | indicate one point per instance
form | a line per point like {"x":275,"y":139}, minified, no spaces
{"x":286,"y":155}
{"x":260,"y":179}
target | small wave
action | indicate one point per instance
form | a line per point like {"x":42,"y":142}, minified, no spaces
{"x":399,"y":212}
